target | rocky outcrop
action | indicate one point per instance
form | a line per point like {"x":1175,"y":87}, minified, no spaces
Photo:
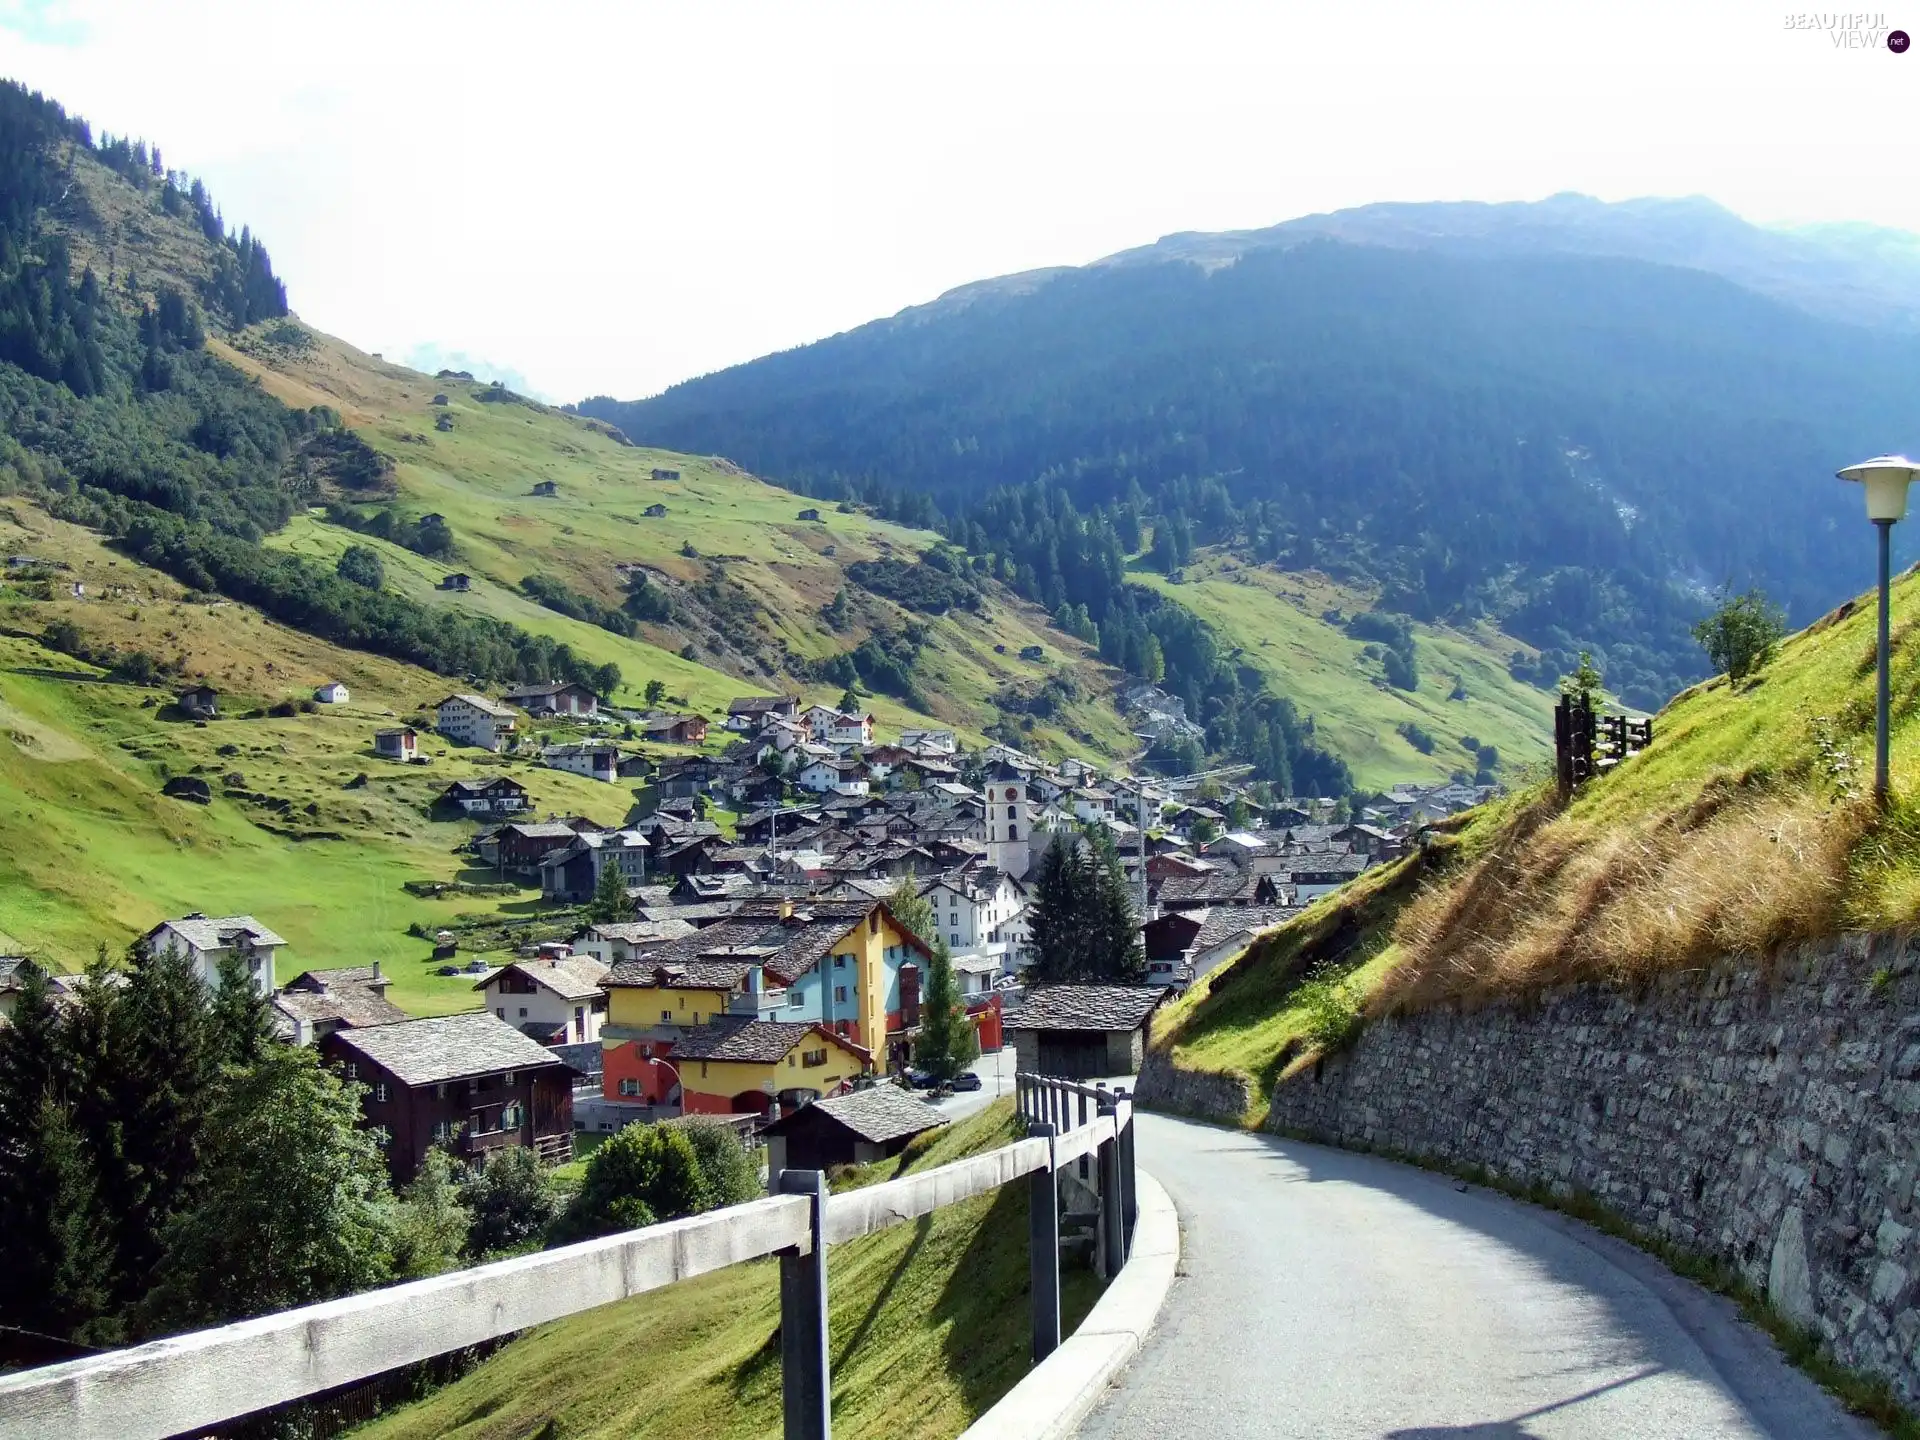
{"x":1768,"y":1115}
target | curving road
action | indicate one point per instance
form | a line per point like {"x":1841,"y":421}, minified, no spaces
{"x":1326,"y":1295}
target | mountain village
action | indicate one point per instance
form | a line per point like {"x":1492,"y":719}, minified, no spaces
{"x":752,"y":964}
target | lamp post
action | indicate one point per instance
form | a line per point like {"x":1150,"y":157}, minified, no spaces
{"x":1885,"y":479}
{"x":674,"y":1071}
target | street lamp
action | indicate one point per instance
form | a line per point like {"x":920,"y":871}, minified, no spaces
{"x":1885,"y":479}
{"x":673,"y":1071}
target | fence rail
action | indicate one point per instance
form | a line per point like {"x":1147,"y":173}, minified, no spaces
{"x":189,"y":1383}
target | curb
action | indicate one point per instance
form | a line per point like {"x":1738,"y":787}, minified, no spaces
{"x":1059,"y":1392}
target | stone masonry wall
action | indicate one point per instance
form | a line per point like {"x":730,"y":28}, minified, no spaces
{"x":1770,"y":1117}
{"x":1163,"y":1086}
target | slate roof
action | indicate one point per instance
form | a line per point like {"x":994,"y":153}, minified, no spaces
{"x":639,"y":932}
{"x":205,"y":934}
{"x":879,"y":1115}
{"x":349,"y":995}
{"x":756,"y":932}
{"x":571,"y":977}
{"x":1214,"y":886}
{"x":483,"y":705}
{"x":1086,"y":1007}
{"x":1227,"y":921}
{"x":446,"y":1047}
{"x":745,"y":1039}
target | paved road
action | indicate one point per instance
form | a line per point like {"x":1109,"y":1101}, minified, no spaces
{"x":1330,"y":1295}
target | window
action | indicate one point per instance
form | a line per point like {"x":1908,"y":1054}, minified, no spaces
{"x":839,"y":962}
{"x":953,"y":939}
{"x":629,"y":1087}
{"x":501,"y":1011}
{"x":507,"y":1079}
{"x":523,"y":1012}
{"x":814,"y":1057}
{"x":353,"y":1070}
{"x":795,"y":1000}
{"x":511,"y":1117}
{"x":840,"y":994}
{"x":666,"y":1017}
{"x":380,"y":1091}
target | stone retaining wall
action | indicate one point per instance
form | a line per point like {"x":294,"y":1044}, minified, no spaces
{"x":1769,"y":1117}
{"x":1162,"y":1086}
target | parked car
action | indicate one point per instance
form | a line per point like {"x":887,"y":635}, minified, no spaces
{"x":920,"y":1080}
{"x":966,"y":1080}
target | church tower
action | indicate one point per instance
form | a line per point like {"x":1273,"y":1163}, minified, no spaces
{"x":1009,"y":820}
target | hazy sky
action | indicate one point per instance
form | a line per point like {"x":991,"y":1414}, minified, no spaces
{"x":609,"y":198}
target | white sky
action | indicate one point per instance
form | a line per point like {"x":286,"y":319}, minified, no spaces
{"x":609,"y":198}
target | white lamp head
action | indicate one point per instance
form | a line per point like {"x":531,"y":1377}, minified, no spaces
{"x":1886,"y":478}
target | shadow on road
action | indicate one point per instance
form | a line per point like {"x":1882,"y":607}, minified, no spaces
{"x":1516,"y":1428}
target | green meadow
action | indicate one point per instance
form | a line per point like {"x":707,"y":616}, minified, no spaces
{"x":1276,"y":621}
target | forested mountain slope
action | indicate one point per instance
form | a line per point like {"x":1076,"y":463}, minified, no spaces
{"x":1577,"y":446}
{"x":154,"y":387}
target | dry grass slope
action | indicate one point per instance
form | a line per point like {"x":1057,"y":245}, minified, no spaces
{"x":1741,"y":830}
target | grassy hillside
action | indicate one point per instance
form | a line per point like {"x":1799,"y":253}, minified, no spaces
{"x":91,"y":853}
{"x":1743,"y":828}
{"x":928,"y":1328}
{"x":750,"y":593}
{"x":1277,"y":622}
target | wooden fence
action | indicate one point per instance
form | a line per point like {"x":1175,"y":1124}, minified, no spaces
{"x":1586,"y":744}
{"x":188,"y":1384}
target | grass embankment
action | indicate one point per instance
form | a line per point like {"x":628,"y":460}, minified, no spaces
{"x":929,"y":1326}
{"x":92,"y":853}
{"x":1276,"y":620}
{"x":777,"y":571}
{"x":1743,"y":828}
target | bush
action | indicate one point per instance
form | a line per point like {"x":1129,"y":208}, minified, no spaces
{"x":1741,"y":634}
{"x":731,"y":1175}
{"x":642,"y":1174}
{"x":1416,"y":737}
{"x":1332,"y":1012}
{"x":512,"y":1199}
{"x":362,"y":565}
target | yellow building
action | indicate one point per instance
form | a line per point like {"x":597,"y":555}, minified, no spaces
{"x":740,"y":1065}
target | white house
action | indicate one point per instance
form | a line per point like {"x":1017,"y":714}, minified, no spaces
{"x":850,"y":730}
{"x":557,"y":999}
{"x":930,"y":742}
{"x":331,"y":693}
{"x":835,"y":777}
{"x":973,"y":910}
{"x":1092,"y":805}
{"x":204,"y":942}
{"x":474,"y":720}
{"x":595,"y":761}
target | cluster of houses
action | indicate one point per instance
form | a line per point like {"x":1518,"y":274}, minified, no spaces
{"x":760,"y":969}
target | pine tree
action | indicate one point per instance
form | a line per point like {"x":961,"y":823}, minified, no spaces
{"x":609,"y":896}
{"x":242,"y":1016}
{"x":55,"y":1250}
{"x":946,"y":1042}
{"x":156,"y":1081}
{"x":1082,"y":919}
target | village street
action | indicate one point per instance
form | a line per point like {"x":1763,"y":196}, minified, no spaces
{"x":1325,"y":1295}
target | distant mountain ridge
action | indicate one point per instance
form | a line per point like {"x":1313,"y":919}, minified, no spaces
{"x":1858,"y":273}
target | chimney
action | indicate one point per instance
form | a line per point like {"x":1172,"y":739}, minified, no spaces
{"x":786,"y":908}
{"x":376,"y":972}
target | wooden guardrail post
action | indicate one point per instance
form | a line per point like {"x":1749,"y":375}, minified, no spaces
{"x":1129,"y":1181}
{"x":806,"y":1382}
{"x":1043,"y":1247}
{"x":1113,"y":1239}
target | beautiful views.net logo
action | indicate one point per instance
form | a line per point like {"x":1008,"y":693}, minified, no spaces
{"x":1851,"y":30}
